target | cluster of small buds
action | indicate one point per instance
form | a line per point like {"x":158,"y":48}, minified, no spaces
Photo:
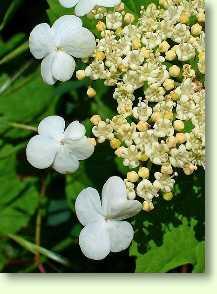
{"x":162,"y":54}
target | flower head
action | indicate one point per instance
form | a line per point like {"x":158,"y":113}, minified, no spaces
{"x":57,"y":45}
{"x":104,"y":229}
{"x":58,"y":148}
{"x":83,"y":7}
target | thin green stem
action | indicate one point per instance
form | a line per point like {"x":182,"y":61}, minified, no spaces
{"x":23,"y":127}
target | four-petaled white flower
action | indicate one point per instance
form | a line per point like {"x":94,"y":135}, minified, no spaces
{"x":58,"y":148}
{"x":104,"y":231}
{"x":83,"y":7}
{"x":57,"y":45}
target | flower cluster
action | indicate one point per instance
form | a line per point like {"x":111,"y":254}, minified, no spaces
{"x":156,"y":65}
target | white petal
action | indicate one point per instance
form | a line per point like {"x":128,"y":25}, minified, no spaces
{"x":94,"y":241}
{"x":63,"y":27}
{"x":41,"y":151}
{"x":81,"y":149}
{"x":63,"y":66}
{"x":79,"y":42}
{"x":68,"y":3}
{"x":121,"y":235}
{"x":74,"y":131}
{"x":113,"y":192}
{"x":83,"y":7}
{"x":88,"y":206}
{"x":52,"y":126}
{"x":65,"y":162}
{"x":41,"y":41}
{"x":124,"y":210}
{"x":108,"y":3}
{"x":46,"y":69}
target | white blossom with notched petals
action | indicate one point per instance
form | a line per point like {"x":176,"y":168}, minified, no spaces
{"x":104,"y":229}
{"x":83,"y":7}
{"x":59,"y":148}
{"x":57,"y":45}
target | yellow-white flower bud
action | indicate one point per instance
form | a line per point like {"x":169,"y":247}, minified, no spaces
{"x":179,"y":125}
{"x":144,"y":172}
{"x":129,"y":18}
{"x":167,"y":196}
{"x":99,"y":55}
{"x":196,"y":29}
{"x":115,"y":143}
{"x":145,"y":52}
{"x":167,"y":169}
{"x":180,"y":138}
{"x":169,"y":84}
{"x":91,"y":92}
{"x":189,"y":169}
{"x":148,"y":206}
{"x":100,"y":26}
{"x":92,"y":141}
{"x":136,"y":44}
{"x":174,"y":71}
{"x":170,"y":55}
{"x":171,"y":142}
{"x":95,"y":119}
{"x":164,"y":47}
{"x":201,"y":16}
{"x":184,"y":17}
{"x":132,"y":176}
{"x":80,"y":74}
{"x":120,"y":7}
{"x":142,"y":126}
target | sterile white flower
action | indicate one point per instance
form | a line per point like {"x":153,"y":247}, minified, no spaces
{"x":104,"y":231}
{"x":83,"y":7}
{"x":58,"y":148}
{"x":57,"y":45}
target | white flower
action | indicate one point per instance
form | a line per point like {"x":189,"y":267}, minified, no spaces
{"x":83,"y":7}
{"x":57,"y":44}
{"x":104,"y":231}
{"x":58,"y":148}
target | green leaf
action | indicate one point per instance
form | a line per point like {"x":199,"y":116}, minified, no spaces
{"x":25,"y":101}
{"x":34,"y":249}
{"x":179,"y":247}
{"x":18,"y":199}
{"x":10,"y":12}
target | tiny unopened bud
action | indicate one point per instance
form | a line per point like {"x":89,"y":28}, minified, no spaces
{"x":142,"y":157}
{"x":168,"y":115}
{"x":136,"y":44}
{"x":189,"y":169}
{"x":201,"y":16}
{"x":120,"y":7}
{"x":170,"y":55}
{"x":174,"y":96}
{"x":115,"y":143}
{"x":148,"y":206}
{"x":95,"y":119}
{"x":180,"y":138}
{"x":132,"y":176}
{"x":100,"y":26}
{"x":179,"y":125}
{"x":80,"y":74}
{"x":184,"y":17}
{"x":129,"y":18}
{"x":167,"y":196}
{"x":99,"y":55}
{"x":164,"y":47}
{"x":142,"y":126}
{"x":144,"y":172}
{"x":196,"y":29}
{"x":171,"y":142}
{"x":174,"y":71}
{"x":169,"y":84}
{"x":119,"y":31}
{"x":91,"y":92}
{"x":167,"y":169}
{"x":92,"y":141}
{"x":145,"y":52}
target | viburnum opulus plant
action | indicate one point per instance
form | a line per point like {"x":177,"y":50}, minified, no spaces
{"x":155,"y":62}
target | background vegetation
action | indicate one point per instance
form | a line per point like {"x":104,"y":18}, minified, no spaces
{"x":37,"y":208}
